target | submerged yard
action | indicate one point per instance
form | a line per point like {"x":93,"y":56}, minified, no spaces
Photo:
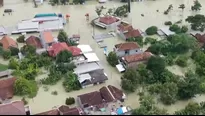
{"x":3,"y":67}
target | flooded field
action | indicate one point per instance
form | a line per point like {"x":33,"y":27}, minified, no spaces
{"x":44,"y":100}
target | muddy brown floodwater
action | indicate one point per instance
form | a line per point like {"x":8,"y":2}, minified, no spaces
{"x":44,"y":100}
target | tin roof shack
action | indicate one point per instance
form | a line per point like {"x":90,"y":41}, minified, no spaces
{"x":132,"y":61}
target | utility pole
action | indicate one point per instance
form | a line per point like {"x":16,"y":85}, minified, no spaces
{"x":129,"y":8}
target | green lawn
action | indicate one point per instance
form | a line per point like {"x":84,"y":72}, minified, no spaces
{"x":3,"y":67}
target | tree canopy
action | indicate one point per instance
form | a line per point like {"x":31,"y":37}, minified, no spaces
{"x":64,"y":56}
{"x":197,"y":22}
{"x":112,"y":59}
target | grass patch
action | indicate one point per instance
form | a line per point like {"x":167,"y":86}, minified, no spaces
{"x":3,"y":67}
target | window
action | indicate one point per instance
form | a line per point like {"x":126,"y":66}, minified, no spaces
{"x":136,"y":50}
{"x":126,"y":51}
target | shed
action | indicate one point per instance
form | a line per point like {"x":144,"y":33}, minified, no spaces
{"x":91,"y":57}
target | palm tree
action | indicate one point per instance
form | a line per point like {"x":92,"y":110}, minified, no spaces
{"x":182,"y":6}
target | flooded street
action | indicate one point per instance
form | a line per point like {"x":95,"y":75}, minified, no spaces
{"x":44,"y":100}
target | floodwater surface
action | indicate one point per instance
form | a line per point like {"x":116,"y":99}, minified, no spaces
{"x":44,"y":100}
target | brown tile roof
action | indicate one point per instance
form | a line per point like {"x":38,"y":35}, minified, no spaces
{"x":124,"y":27}
{"x":6,"y":88}
{"x":200,"y":38}
{"x":117,"y":93}
{"x":127,"y":46}
{"x":48,"y":37}
{"x":98,"y":76}
{"x":8,"y":42}
{"x":65,"y":110}
{"x":14,"y":108}
{"x":50,"y":112}
{"x":34,"y":41}
{"x":92,"y":98}
{"x":108,"y":20}
{"x":132,"y":33}
{"x":106,"y":95}
{"x":137,"y":57}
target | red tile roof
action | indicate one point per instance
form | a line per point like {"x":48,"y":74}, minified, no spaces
{"x":124,"y":27}
{"x":65,"y":110}
{"x":58,"y":47}
{"x":132,"y":33}
{"x":117,"y":93}
{"x":48,"y":36}
{"x":108,"y":20}
{"x":106,"y":95}
{"x":50,"y":112}
{"x":6,"y":88}
{"x":14,"y":108}
{"x":92,"y":98}
{"x":127,"y":46}
{"x":200,"y":38}
{"x":137,"y":57}
{"x":8,"y":42}
{"x":34,"y":41}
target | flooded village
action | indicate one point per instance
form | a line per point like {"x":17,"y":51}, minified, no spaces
{"x":82,"y":59}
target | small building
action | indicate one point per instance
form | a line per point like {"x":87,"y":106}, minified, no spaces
{"x":107,"y":22}
{"x":50,"y":112}
{"x":90,"y":100}
{"x":13,"y":108}
{"x":46,"y":38}
{"x":7,"y":42}
{"x":7,"y":88}
{"x":91,"y":57}
{"x":65,"y":110}
{"x":132,"y":61}
{"x":129,"y":48}
{"x":34,"y":41}
{"x":82,"y":69}
{"x":56,"y":48}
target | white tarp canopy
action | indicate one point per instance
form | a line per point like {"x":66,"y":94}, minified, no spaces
{"x":120,"y":68}
{"x":91,"y":57}
{"x":85,"y":48}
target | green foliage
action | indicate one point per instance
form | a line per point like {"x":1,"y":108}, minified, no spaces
{"x":28,"y":50}
{"x":71,"y":82}
{"x":99,"y":10}
{"x":62,"y":36}
{"x":156,"y":64}
{"x":192,"y":108}
{"x":6,"y":54}
{"x":182,"y":6}
{"x":182,"y":61}
{"x":139,"y":40}
{"x":166,"y":12}
{"x":197,"y":6}
{"x":65,"y":67}
{"x":150,"y":40}
{"x":112,"y":59}
{"x":14,"y":51}
{"x":21,"y":39}
{"x":197,"y":22}
{"x":70,"y":101}
{"x":121,"y":11}
{"x":24,"y":101}
{"x":184,"y":29}
{"x":168,"y":23}
{"x":13,"y":64}
{"x":54,"y":93}
{"x":3,"y":67}
{"x":23,"y":87}
{"x":64,"y":56}
{"x":169,"y":59}
{"x":175,"y":28}
{"x":151,"y":30}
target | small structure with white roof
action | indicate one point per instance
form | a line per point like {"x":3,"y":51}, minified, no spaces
{"x":85,"y":48}
{"x":91,"y":57}
{"x":166,"y":31}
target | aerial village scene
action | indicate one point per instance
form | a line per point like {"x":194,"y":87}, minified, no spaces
{"x":102,"y":57}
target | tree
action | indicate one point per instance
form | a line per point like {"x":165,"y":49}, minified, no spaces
{"x":112,"y":59}
{"x":14,"y":51}
{"x":192,"y":108}
{"x":150,"y":40}
{"x":13,"y":64}
{"x":99,"y":10}
{"x":62,"y":36}
{"x":197,"y":22}
{"x":121,"y":11}
{"x":21,"y":39}
{"x":151,"y":30}
{"x":184,"y":29}
{"x":28,"y":50}
{"x":70,"y":101}
{"x":175,"y":28}
{"x":168,"y":9}
{"x":156,"y":64}
{"x":65,"y":67}
{"x":139,"y":40}
{"x":182,"y":61}
{"x":197,"y":6}
{"x":71,"y":82}
{"x":168,"y":23}
{"x":6,"y":54}
{"x":64,"y":56}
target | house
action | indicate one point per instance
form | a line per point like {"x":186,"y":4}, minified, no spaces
{"x":65,"y":110}
{"x":126,"y":31}
{"x":46,"y":38}
{"x":82,"y":69}
{"x":200,"y":38}
{"x":92,"y":78}
{"x":34,"y":41}
{"x":7,"y":88}
{"x":50,"y":112}
{"x":107,"y":21}
{"x":92,"y":99}
{"x":129,"y":48}
{"x":58,"y":47}
{"x":13,"y":108}
{"x":106,"y":94}
{"x":7,"y":42}
{"x":132,"y":61}
{"x":117,"y":93}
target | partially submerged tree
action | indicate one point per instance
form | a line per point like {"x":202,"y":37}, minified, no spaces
{"x":197,"y":6}
{"x":121,"y":11}
{"x":197,"y":22}
{"x":64,"y":56}
{"x":151,"y":30}
{"x":112,"y":59}
{"x":168,"y":9}
{"x":62,"y":36}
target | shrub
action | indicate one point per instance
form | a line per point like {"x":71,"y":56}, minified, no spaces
{"x":54,"y":93}
{"x":20,"y":39}
{"x":175,"y":28}
{"x":6,"y":54}
{"x":24,"y":101}
{"x":112,"y":59}
{"x":14,"y":51}
{"x":151,"y":30}
{"x":184,"y":29}
{"x":181,"y":61}
{"x":168,"y":23}
{"x":150,"y":40}
{"x":139,"y":40}
{"x":13,"y":64}
{"x":70,"y":101}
